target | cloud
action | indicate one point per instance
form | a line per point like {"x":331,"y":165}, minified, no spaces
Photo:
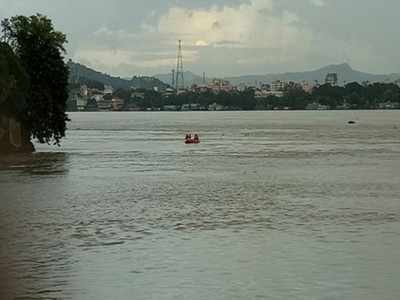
{"x":223,"y":37}
{"x":255,"y":24}
{"x":318,"y":3}
{"x":268,"y":34}
{"x":256,"y":36}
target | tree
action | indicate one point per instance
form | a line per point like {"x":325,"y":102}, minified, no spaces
{"x":123,"y":94}
{"x":14,"y":83}
{"x":40,"y":49}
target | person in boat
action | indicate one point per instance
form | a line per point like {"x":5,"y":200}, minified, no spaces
{"x":188,"y":139}
{"x":196,"y":139}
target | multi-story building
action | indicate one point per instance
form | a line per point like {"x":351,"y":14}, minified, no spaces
{"x":104,"y":104}
{"x":278,"y":86}
{"x":220,"y":85}
{"x":307,"y":86}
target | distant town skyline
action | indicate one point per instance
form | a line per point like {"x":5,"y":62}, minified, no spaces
{"x":224,"y":38}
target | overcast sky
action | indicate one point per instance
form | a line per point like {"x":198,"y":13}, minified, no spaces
{"x":224,"y":37}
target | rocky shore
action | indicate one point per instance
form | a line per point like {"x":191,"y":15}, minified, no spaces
{"x":13,"y":137}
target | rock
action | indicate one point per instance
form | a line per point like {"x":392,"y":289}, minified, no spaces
{"x":12,"y":139}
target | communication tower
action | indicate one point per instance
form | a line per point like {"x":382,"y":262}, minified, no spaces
{"x":179,"y":81}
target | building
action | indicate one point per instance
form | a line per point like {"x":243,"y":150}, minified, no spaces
{"x":185,"y":107}
{"x":389,"y":105}
{"x":97,"y":97}
{"x":278,"y":86}
{"x":317,"y":106}
{"x":81,"y":103}
{"x":262,"y":93}
{"x":265,"y":87}
{"x":220,"y":85}
{"x":278,"y":94}
{"x":170,"y":108}
{"x":195,"y":106}
{"x":108,"y":90}
{"x":332,"y":79}
{"x":241,"y":87}
{"x":307,"y":86}
{"x":168,"y":93}
{"x":84,"y":91}
{"x":105,"y":104}
{"x":199,"y":88}
{"x":215,"y":107}
{"x":117,"y":104}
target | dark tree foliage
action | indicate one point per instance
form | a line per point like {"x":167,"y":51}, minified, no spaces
{"x":123,"y":94}
{"x":40,"y":49}
{"x":92,"y":84}
{"x":14,"y":83}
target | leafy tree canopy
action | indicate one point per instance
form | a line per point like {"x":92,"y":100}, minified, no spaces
{"x":40,"y":49}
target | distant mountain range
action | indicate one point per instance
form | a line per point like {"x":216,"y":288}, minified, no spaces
{"x":190,"y":78}
{"x":81,"y":73}
{"x":345,"y":73}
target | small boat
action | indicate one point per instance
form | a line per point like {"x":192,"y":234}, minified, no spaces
{"x":351,"y":122}
{"x":190,"y":140}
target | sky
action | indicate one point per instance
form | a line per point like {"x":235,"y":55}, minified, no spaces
{"x":223,"y":37}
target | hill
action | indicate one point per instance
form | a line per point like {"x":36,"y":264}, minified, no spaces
{"x":345,"y":72}
{"x":82,"y":74}
{"x":190,"y":78}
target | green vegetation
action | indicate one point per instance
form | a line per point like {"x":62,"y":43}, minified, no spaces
{"x":38,"y":49}
{"x":82,"y":75}
{"x":351,"y":96}
{"x":14,"y":83}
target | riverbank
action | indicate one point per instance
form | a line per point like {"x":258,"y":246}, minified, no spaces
{"x":13,"y":138}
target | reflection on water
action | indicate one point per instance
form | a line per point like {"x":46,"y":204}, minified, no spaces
{"x":28,"y":256}
{"x":270,"y":205}
{"x":42,"y":163}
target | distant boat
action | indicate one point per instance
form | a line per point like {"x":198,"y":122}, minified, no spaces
{"x":351,"y":122}
{"x":190,"y":140}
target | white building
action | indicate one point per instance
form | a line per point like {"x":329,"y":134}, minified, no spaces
{"x":307,"y":86}
{"x":81,"y":103}
{"x":278,"y":86}
{"x":84,"y":91}
{"x":108,"y":89}
{"x":117,"y":104}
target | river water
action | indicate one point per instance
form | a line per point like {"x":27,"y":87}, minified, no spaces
{"x":271,"y":205}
